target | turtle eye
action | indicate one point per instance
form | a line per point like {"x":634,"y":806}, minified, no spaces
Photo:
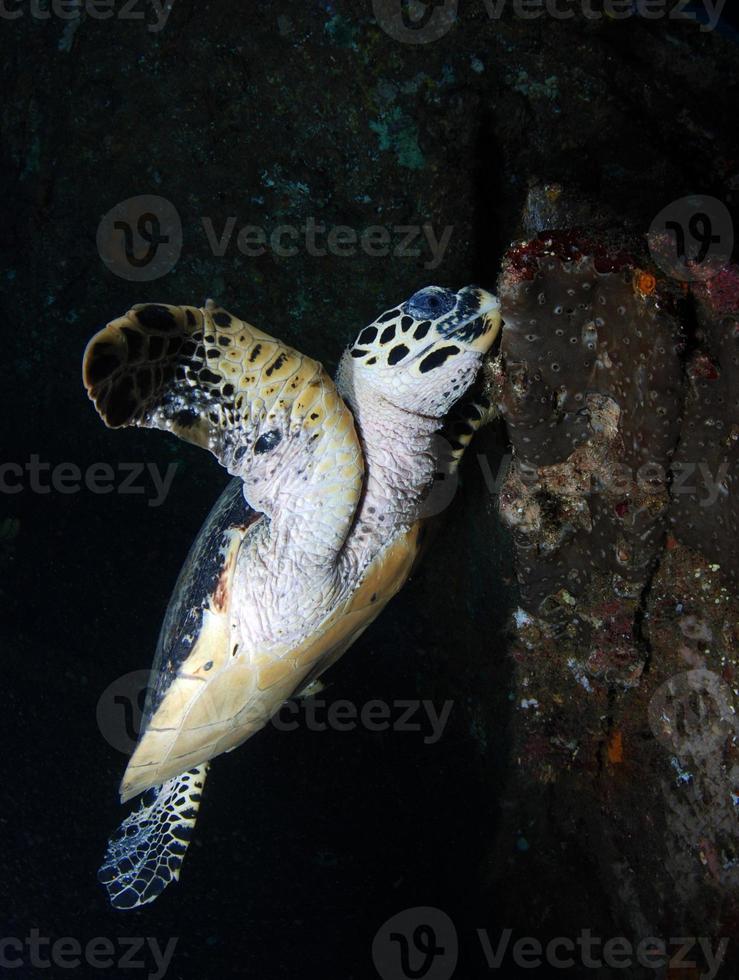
{"x":431,"y":302}
{"x":267,"y":442}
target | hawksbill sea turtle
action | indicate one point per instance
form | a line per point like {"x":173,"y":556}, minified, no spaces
{"x":302,"y":551}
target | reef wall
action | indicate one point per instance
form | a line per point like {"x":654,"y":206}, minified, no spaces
{"x":618,"y":387}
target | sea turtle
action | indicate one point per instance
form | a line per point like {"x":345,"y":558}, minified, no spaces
{"x":304,"y":549}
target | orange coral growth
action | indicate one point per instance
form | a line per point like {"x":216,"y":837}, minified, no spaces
{"x":644,"y":283}
{"x":616,"y":748}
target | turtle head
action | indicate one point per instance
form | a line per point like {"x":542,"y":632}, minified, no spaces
{"x":422,"y":355}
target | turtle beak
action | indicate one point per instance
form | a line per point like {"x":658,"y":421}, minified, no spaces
{"x":481,"y":323}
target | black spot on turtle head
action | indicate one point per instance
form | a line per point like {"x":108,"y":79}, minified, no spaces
{"x":422,"y":329}
{"x":387,"y":335}
{"x":406,"y":323}
{"x":437,"y":357}
{"x":390,"y":315}
{"x":397,"y":354}
{"x":222,"y":319}
{"x":267,"y":441}
{"x":367,"y":336}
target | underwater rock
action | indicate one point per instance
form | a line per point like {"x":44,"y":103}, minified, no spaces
{"x":704,"y":513}
{"x":625,"y":642}
{"x":692,"y":624}
{"x":590,"y":391}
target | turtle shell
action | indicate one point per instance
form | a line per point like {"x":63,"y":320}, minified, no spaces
{"x":206,"y":695}
{"x":229,"y":518}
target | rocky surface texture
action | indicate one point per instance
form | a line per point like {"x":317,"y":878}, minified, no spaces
{"x":592,"y":400}
{"x":612,"y":386}
{"x":705,"y":507}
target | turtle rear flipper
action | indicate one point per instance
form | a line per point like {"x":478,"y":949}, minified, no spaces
{"x":147,"y":852}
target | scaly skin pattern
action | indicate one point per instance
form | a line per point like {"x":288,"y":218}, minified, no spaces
{"x":399,"y":402}
{"x":341,"y":484}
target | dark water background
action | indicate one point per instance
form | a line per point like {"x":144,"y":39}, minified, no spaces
{"x":307,"y":841}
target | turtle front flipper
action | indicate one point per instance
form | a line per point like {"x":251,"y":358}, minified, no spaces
{"x":206,"y":376}
{"x":147,"y":851}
